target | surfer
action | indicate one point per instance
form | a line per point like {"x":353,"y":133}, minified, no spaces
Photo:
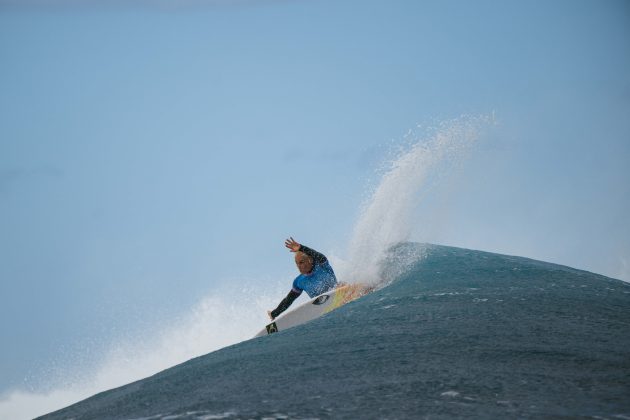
{"x":316,"y":276}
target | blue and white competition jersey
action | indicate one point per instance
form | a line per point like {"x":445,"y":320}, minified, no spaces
{"x":318,"y":281}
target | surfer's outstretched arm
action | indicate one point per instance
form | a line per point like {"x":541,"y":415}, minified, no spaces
{"x":286,"y":302}
{"x":318,"y":258}
{"x":294,"y":246}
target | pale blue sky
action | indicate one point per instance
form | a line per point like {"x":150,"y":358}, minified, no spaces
{"x":149,"y":153}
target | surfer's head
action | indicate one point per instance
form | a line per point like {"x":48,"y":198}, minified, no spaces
{"x":304,"y":262}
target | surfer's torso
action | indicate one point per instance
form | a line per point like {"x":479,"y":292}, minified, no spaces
{"x":318,"y":281}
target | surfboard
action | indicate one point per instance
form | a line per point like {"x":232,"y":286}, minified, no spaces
{"x":316,"y":307}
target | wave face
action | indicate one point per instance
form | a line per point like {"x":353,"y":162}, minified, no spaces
{"x":456,"y":333}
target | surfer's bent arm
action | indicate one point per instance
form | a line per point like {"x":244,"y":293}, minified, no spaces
{"x":318,"y":258}
{"x":286,"y":302}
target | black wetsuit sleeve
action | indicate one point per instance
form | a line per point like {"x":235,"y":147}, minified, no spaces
{"x":316,"y":256}
{"x":286,"y":302}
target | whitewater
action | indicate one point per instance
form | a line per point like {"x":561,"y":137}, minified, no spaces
{"x":385,"y":219}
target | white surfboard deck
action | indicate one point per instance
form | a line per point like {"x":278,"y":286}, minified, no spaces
{"x":316,"y":307}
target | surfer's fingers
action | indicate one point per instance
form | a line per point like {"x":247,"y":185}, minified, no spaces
{"x":292,"y":244}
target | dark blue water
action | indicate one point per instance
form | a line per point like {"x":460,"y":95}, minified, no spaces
{"x":457,"y":333}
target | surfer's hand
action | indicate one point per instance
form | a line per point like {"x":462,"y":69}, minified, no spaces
{"x":292,"y":245}
{"x":270,"y":316}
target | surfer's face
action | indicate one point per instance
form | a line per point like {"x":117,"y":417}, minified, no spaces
{"x":304,"y":263}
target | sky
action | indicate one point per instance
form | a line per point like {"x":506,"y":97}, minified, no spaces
{"x":156,"y":154}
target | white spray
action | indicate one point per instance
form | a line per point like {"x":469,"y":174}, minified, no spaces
{"x":210,"y":325}
{"x":386,"y":217}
